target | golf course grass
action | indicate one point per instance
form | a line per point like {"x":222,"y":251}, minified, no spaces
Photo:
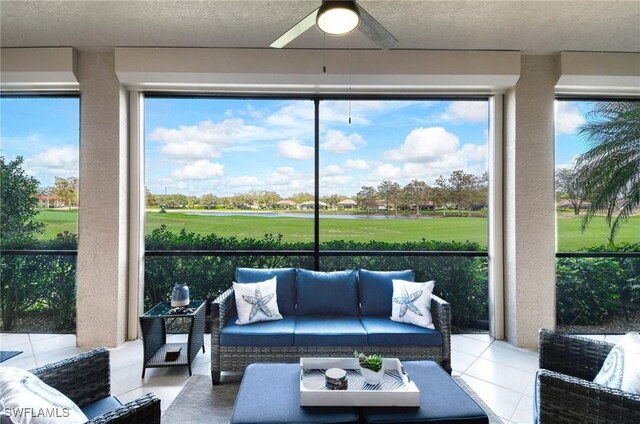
{"x":570,"y":235}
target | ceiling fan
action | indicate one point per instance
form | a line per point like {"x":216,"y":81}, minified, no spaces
{"x":340,"y":17}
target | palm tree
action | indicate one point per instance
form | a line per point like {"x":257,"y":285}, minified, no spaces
{"x":610,"y":170}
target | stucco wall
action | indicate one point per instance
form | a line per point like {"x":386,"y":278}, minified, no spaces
{"x":102,"y":251}
{"x":529,"y":202}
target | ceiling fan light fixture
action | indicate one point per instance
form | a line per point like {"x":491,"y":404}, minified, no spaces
{"x":338,"y":17}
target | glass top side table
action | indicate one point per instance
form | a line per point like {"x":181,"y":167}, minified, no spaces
{"x":154,"y":336}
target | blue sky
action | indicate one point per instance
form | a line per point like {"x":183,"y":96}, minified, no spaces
{"x":45,"y":131}
{"x":227,"y":146}
{"x":224,"y":146}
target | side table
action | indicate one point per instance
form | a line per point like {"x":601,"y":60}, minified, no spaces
{"x":154,"y":335}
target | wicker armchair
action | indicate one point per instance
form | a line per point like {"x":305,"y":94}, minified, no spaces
{"x":565,"y":392}
{"x":85,"y":379}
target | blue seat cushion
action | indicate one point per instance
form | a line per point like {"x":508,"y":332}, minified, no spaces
{"x":264,"y":333}
{"x":285,"y":284}
{"x":441,"y":400}
{"x":99,"y":407}
{"x":323,"y":330}
{"x":376,"y":290}
{"x":381,"y":331}
{"x":333,"y":293}
{"x":270,"y":394}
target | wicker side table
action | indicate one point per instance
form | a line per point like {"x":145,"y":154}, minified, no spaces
{"x":154,"y":335}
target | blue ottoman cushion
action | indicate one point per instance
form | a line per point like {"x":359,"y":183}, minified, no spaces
{"x":264,"y":333}
{"x":441,"y":400}
{"x":381,"y":331}
{"x":270,"y":393}
{"x":323,"y":330}
{"x":327,"y":292}
{"x":285,"y":288}
{"x":376,"y":290}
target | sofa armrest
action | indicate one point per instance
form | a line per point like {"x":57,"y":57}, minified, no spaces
{"x":572,"y":355}
{"x":441,"y":314}
{"x":84,"y":378}
{"x":144,"y":410}
{"x":222,"y":308}
{"x":564,"y":399}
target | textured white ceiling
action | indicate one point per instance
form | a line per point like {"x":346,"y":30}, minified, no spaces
{"x":530,"y":26}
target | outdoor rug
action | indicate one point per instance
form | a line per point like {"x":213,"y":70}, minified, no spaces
{"x":8,"y":354}
{"x":199,"y":398}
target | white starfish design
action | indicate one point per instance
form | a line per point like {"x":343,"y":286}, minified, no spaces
{"x":406,"y":302}
{"x":259,"y":303}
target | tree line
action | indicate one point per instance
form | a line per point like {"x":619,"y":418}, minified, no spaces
{"x":460,"y":191}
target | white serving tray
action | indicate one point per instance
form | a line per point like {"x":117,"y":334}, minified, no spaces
{"x":395,"y":389}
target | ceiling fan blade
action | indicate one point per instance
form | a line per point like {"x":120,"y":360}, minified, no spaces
{"x":296,"y":30}
{"x":375,"y":31}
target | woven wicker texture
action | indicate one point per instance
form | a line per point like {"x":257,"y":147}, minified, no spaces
{"x":565,"y":391}
{"x":85,"y":378}
{"x":228,"y":358}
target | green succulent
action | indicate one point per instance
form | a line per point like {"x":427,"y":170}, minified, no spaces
{"x":371,"y":362}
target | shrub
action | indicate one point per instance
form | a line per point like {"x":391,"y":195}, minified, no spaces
{"x":44,"y":283}
{"x":463,"y":281}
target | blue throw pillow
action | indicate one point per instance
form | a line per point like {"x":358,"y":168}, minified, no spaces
{"x":376,"y":290}
{"x":327,"y":292}
{"x":285,"y":287}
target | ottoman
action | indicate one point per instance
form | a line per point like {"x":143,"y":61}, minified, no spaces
{"x":270,"y":393}
{"x":441,"y":400}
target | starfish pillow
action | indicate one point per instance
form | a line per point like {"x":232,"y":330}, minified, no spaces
{"x":256,"y":302}
{"x":411,"y":303}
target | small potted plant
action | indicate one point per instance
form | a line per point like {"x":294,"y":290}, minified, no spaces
{"x":371,"y":367}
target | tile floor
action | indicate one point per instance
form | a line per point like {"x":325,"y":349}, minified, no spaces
{"x":500,"y":373}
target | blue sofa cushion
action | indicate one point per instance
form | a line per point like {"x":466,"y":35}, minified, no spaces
{"x":441,"y":400}
{"x":265,"y":333}
{"x":332,"y":293}
{"x":285,"y":289}
{"x":329,"y":330}
{"x":376,"y":290}
{"x":381,"y":331}
{"x":99,"y":407}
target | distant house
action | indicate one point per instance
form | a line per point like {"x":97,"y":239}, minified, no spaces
{"x":381,"y":205}
{"x":286,"y":204}
{"x":347,"y":204}
{"x":566,"y":204}
{"x":49,"y":201}
{"x":310,"y":205}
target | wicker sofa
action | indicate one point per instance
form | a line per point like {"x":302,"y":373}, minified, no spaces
{"x":86,"y":380}
{"x":303,"y":332}
{"x":565,"y":391}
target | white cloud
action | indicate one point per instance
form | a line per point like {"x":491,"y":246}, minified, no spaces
{"x":568,"y":117}
{"x":295,"y":149}
{"x":203,"y":140}
{"x":296,"y":114}
{"x":331,"y":170}
{"x":338,"y":142}
{"x":385,"y":171}
{"x":244,"y":181}
{"x":474,"y":152}
{"x":424,"y":145}
{"x":466,"y":111}
{"x":281,"y":176}
{"x":356,"y":164}
{"x":56,"y":159}
{"x":199,"y":170}
{"x":334,"y":182}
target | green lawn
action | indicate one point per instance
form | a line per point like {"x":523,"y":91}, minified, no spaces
{"x":570,"y":237}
